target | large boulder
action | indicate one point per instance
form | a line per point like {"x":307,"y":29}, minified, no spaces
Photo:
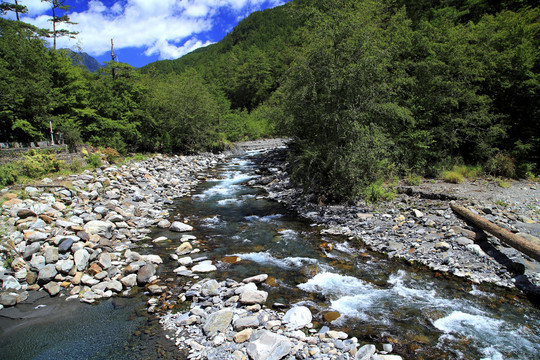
{"x":178,"y":226}
{"x":217,"y":322}
{"x":265,"y":345}
{"x":297,"y":317}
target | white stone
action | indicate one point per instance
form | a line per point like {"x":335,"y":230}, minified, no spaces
{"x":297,"y":317}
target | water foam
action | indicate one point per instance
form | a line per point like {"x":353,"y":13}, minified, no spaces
{"x":269,"y":259}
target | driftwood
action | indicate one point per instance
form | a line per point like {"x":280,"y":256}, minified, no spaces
{"x":509,"y":238}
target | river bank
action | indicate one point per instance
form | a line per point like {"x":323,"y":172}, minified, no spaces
{"x":419,"y":226}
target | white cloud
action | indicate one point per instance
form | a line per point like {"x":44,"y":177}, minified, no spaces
{"x":168,"y":28}
{"x":167,"y":50}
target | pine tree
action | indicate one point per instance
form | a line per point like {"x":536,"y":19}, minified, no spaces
{"x":56,"y":7}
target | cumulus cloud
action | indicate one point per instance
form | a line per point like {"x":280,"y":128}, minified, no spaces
{"x":166,"y":28}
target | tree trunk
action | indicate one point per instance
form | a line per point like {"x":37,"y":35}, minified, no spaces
{"x":509,"y":238}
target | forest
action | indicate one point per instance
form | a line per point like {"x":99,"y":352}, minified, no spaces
{"x":368,"y":90}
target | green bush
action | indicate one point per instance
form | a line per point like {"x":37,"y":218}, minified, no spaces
{"x":377,"y":192}
{"x":501,"y":165}
{"x":413,"y":180}
{"x":76,"y":165}
{"x":39,"y":163}
{"x":9,"y":174}
{"x":111,"y":155}
{"x":93,"y":160}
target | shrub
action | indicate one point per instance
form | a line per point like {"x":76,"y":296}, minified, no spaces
{"x":9,"y":174}
{"x":413,"y":179}
{"x":93,"y":160}
{"x":376,"y":192}
{"x":111,"y":155}
{"x":452,"y":177}
{"x":37,"y":164}
{"x":76,"y":165}
{"x":501,"y":165}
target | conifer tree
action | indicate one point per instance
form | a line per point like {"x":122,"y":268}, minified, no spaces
{"x":58,"y":6}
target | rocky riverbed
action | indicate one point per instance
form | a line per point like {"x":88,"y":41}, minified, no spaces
{"x":419,"y":226}
{"x":75,"y":236}
{"x":79,"y":239}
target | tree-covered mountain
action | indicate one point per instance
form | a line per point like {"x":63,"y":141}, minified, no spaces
{"x":368,"y":89}
{"x":85,"y":60}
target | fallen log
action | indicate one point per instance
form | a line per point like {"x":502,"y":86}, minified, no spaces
{"x":509,"y":238}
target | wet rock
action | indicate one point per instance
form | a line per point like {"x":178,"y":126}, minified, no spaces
{"x":164,"y":224}
{"x":178,"y":226}
{"x":204,"y":266}
{"x":145,"y":273}
{"x":129,"y":280}
{"x":365,"y":352}
{"x":256,"y":279}
{"x":183,"y":249}
{"x":8,"y":299}
{"x":218,"y":321}
{"x":297,"y":317}
{"x":266,"y":345}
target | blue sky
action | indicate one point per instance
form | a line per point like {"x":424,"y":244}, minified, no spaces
{"x":146,"y":30}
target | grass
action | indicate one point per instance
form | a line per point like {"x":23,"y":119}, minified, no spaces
{"x":413,"y":179}
{"x":502,"y":183}
{"x":452,"y":177}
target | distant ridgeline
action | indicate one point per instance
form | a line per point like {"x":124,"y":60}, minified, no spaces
{"x":82,"y":58}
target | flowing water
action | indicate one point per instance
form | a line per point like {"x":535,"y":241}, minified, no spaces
{"x":424,"y":315}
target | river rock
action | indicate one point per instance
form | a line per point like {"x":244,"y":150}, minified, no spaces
{"x":64,"y":266}
{"x":53,"y":288}
{"x":31,"y":249}
{"x":217,"y":322}
{"x":51,"y":254}
{"x":129,"y":280}
{"x":47,"y":273}
{"x":104,"y":260}
{"x":37,"y":263}
{"x":210,"y":288}
{"x":8,"y":299}
{"x":164,"y":224}
{"x":251,"y":297}
{"x":89,"y":280}
{"x":184,"y":248}
{"x":65,"y":245}
{"x":11,"y":283}
{"x":178,"y":226}
{"x":154,"y":259}
{"x":145,"y":273}
{"x":33,"y":236}
{"x":246,"y":322}
{"x":114,"y":285}
{"x":266,"y":345}
{"x":98,"y":227}
{"x":297,"y":317}
{"x":365,"y":352}
{"x":81,"y":258}
{"x":256,"y":279}
{"x":25,"y":213}
{"x":243,"y":335}
{"x":204,"y":266}
{"x":185,"y":260}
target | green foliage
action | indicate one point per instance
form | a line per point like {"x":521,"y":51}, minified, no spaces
{"x":111,"y":155}
{"x":377,"y":192}
{"x":413,"y":179}
{"x":93,"y":160}
{"x":502,"y":183}
{"x":9,"y":174}
{"x":39,"y":163}
{"x":451,"y":176}
{"x":501,"y":165}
